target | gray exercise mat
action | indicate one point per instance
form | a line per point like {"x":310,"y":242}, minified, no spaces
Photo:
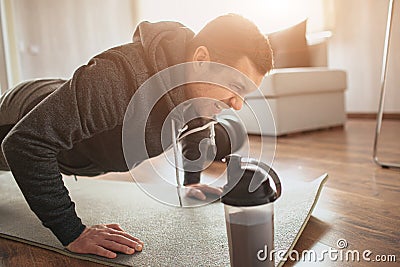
{"x":172,"y":236}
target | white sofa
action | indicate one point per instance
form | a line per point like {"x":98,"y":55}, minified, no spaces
{"x":300,"y":99}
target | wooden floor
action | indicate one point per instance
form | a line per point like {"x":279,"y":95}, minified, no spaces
{"x":360,"y":202}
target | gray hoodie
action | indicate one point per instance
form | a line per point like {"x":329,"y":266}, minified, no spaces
{"x":77,"y":127}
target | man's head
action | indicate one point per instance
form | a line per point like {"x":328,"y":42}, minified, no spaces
{"x":234,"y":41}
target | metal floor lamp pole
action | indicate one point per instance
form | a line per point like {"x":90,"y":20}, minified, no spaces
{"x":383,"y":85}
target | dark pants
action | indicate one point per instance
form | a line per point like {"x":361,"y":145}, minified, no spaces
{"x":4,"y":129}
{"x":18,"y":101}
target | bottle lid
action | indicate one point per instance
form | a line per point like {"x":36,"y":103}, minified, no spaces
{"x":248,"y":183}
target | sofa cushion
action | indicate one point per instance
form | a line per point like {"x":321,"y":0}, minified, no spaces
{"x":293,"y":81}
{"x":289,"y":47}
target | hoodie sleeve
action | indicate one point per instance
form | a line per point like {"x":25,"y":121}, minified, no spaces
{"x":94,"y":100}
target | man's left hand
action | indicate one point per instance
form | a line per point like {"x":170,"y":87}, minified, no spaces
{"x":200,"y":191}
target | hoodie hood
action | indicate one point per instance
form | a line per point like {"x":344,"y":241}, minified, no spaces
{"x":164,"y":43}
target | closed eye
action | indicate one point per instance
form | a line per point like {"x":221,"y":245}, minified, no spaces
{"x":237,"y":88}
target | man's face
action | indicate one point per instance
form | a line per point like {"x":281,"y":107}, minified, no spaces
{"x":216,"y":98}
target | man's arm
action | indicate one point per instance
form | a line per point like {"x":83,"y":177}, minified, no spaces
{"x":192,"y":149}
{"x":195,"y":151}
{"x":230,"y":136}
{"x":94,"y":100}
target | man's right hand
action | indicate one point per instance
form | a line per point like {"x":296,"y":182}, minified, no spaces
{"x":105,"y":240}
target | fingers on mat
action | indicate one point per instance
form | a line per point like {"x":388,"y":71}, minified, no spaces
{"x":98,"y":250}
{"x":125,"y":234}
{"x":115,"y":246}
{"x":193,"y":192}
{"x":115,"y":226}
{"x":125,"y":241}
{"x":212,"y":190}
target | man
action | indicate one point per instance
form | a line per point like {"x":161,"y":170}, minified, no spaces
{"x":75,"y":126}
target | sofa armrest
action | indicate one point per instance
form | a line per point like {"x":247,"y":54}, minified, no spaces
{"x":318,"y":54}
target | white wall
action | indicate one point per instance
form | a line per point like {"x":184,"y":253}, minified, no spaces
{"x":53,"y":38}
{"x":357,"y":47}
{"x":268,"y":15}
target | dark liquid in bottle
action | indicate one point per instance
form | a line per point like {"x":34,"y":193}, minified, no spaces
{"x":245,"y":242}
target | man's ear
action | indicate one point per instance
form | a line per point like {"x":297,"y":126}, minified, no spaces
{"x":201,"y":54}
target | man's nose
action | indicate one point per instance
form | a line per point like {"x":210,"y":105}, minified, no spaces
{"x":236,"y":102}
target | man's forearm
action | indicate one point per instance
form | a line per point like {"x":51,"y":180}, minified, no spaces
{"x":194,"y":151}
{"x":191,"y":178}
{"x":41,"y":183}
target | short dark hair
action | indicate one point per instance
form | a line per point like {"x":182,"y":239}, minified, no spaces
{"x":231,"y":36}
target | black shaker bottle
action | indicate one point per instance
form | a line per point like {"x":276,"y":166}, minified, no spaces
{"x":249,"y":211}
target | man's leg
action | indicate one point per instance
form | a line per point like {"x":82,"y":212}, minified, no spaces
{"x":18,"y":101}
{"x":4,"y":129}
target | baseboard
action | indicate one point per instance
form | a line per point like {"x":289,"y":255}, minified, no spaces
{"x":386,"y":116}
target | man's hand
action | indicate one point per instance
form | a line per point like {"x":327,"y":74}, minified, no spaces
{"x":200,"y":191}
{"x":105,"y":240}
